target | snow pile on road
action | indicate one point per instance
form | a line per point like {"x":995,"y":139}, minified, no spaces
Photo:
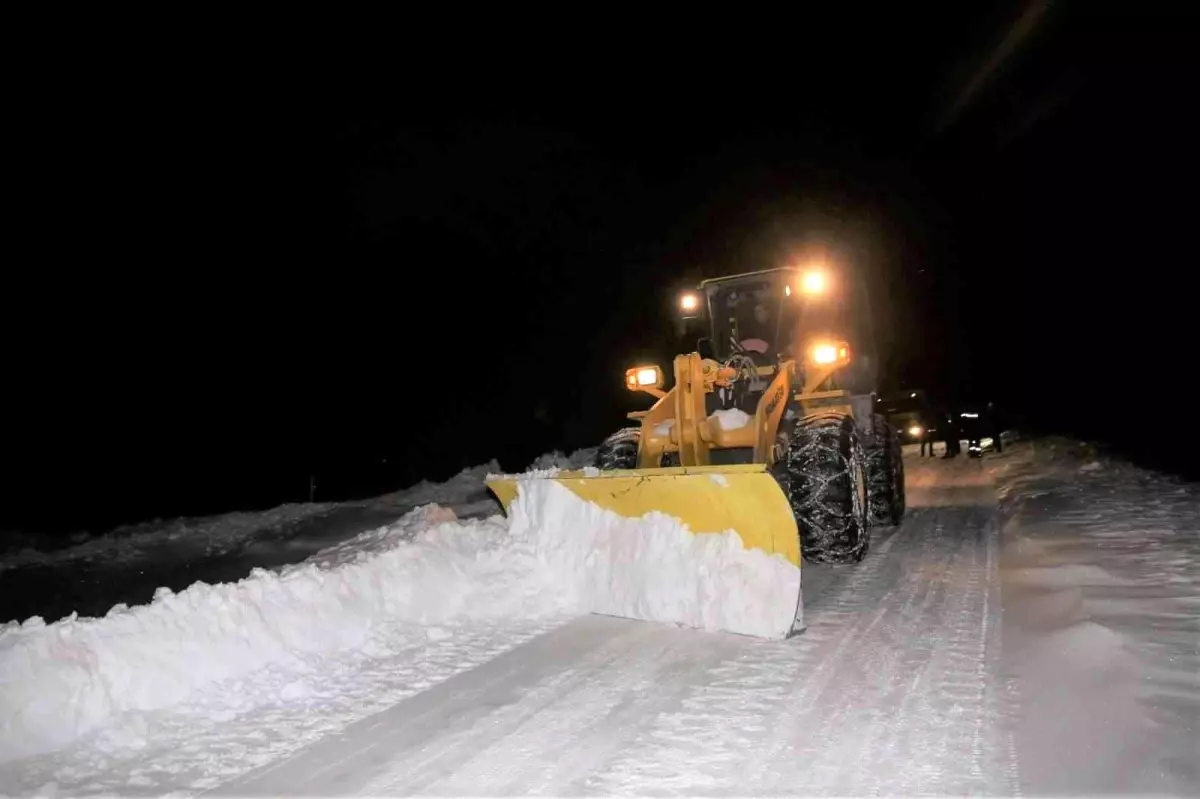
{"x":579,"y":459}
{"x":552,"y":464}
{"x":376,"y":593}
{"x":457,"y":488}
{"x":64,"y":679}
{"x":219,"y":533}
{"x":654,"y":568}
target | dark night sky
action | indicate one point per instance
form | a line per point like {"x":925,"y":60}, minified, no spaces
{"x":240,"y":265}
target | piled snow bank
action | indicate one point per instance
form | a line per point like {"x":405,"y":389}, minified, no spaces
{"x":221,"y":533}
{"x":551,"y":463}
{"x":62,"y":680}
{"x":457,"y":488}
{"x":1101,"y":568}
{"x":216,"y":534}
{"x":654,"y":568}
{"x":377,"y":593}
{"x":579,"y":459}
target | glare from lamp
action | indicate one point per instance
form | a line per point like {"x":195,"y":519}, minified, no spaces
{"x":689,"y":302}
{"x":647,"y":377}
{"x":812,"y":282}
{"x":915,"y":431}
{"x":825,"y":353}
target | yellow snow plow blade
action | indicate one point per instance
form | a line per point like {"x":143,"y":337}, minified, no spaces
{"x":708,"y":499}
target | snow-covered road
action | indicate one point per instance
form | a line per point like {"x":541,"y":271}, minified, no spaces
{"x":890,"y":689}
{"x":1031,"y":628}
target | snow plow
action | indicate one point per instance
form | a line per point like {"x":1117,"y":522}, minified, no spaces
{"x":768,"y":433}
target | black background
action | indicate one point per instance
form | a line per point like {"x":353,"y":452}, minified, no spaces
{"x":239,"y":260}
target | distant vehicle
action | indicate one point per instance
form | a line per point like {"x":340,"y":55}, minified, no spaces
{"x":980,"y":426}
{"x":909,"y":413}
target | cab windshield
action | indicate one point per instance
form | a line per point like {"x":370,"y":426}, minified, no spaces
{"x":751,"y":313}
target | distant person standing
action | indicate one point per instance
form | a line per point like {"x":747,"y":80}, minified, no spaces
{"x":953,"y":446}
{"x":929,"y":428}
{"x":996,"y":427}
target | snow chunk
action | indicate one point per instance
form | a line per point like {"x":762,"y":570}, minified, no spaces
{"x":663,"y":428}
{"x":719,"y":479}
{"x":438,"y":634}
{"x":731,"y":419}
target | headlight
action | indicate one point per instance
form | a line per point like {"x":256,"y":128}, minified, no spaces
{"x":689,"y":302}
{"x":828,"y":353}
{"x":915,"y":431}
{"x":824,"y":353}
{"x":640,"y":377}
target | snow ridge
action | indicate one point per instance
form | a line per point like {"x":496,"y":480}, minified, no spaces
{"x":65,"y":679}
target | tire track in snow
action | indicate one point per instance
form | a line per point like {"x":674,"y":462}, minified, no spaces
{"x":537,"y":738}
{"x":941,"y":721}
{"x":549,"y":752}
{"x":418,"y":742}
{"x":829,"y":737}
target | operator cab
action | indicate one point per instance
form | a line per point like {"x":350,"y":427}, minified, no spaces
{"x":749,"y":315}
{"x":773,"y":315}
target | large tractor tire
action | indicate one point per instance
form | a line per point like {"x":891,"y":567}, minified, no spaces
{"x":823,"y":473}
{"x":885,"y":475}
{"x":620,"y":450}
